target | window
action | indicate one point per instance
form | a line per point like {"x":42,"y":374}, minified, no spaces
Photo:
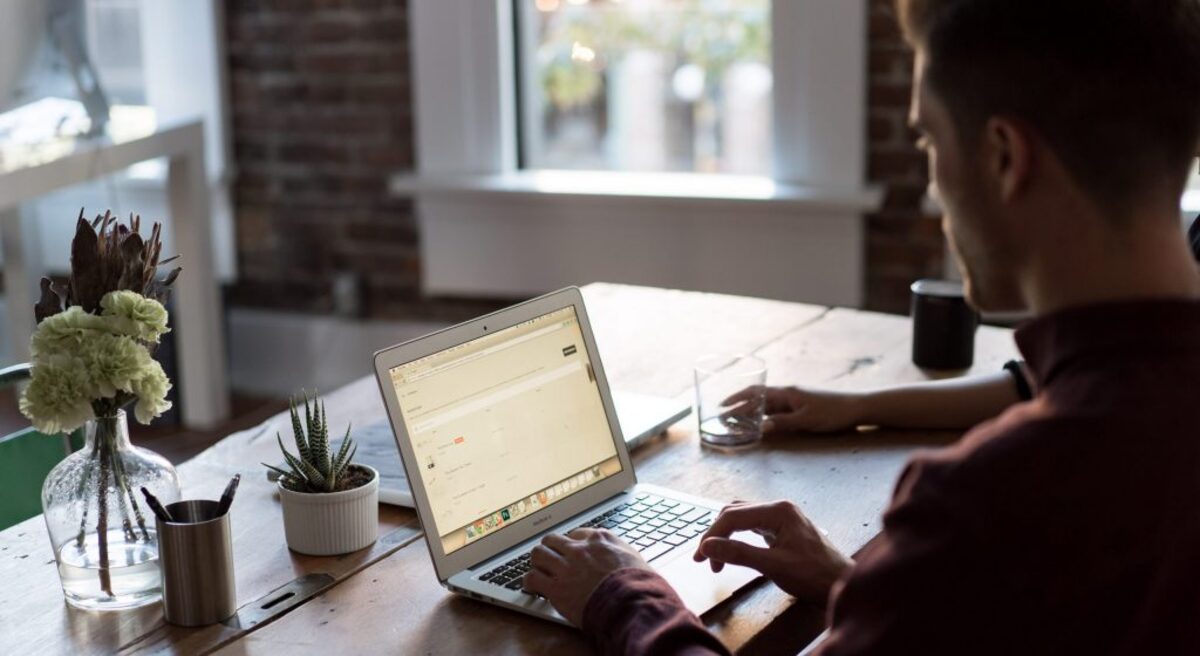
{"x":111,"y":34}
{"x":646,"y":85}
{"x":158,"y":63}
{"x":114,"y":43}
{"x":487,"y":221}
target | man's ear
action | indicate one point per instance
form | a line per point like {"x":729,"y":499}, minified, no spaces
{"x":1008,"y":156}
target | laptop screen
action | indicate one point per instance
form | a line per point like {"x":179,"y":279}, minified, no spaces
{"x":504,"y":425}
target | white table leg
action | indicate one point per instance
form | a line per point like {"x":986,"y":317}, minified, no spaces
{"x":22,"y":271}
{"x":197,"y":320}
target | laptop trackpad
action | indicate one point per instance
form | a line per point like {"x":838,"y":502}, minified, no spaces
{"x":695,"y":582}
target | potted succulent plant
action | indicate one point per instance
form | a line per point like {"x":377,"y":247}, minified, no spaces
{"x":330,"y":504}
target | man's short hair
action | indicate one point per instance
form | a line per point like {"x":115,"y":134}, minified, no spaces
{"x":1112,"y":86}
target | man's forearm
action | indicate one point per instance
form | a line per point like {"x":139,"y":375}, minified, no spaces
{"x":957,"y":403}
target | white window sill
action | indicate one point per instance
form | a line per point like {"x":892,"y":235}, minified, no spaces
{"x":1190,"y":204}
{"x":663,"y":188}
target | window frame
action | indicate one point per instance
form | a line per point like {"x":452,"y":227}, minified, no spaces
{"x":487,"y":226}
{"x":465,"y":65}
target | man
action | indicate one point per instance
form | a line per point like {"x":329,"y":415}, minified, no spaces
{"x":1059,"y":134}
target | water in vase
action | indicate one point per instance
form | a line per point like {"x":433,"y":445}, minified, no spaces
{"x":133,"y":574}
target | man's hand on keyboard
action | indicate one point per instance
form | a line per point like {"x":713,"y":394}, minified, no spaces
{"x":566,"y":570}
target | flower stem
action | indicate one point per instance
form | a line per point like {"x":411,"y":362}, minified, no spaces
{"x":123,"y":483}
{"x":119,"y":480}
{"x":79,"y":538}
{"x":102,"y":515}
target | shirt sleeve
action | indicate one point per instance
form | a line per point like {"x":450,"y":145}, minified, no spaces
{"x":635,"y":611}
{"x":909,"y":591}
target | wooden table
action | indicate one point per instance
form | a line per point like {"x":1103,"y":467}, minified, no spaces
{"x":386,"y":599}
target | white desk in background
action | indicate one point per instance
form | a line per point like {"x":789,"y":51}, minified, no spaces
{"x":27,"y":172}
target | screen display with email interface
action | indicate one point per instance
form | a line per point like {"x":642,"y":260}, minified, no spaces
{"x":505,"y":425}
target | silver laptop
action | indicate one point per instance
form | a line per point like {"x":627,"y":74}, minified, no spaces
{"x":644,"y":417}
{"x":508,"y":432}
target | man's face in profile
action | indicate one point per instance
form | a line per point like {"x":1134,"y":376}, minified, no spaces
{"x":971,"y":218}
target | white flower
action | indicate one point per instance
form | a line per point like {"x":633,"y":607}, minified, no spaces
{"x":58,"y":399}
{"x":66,"y":330}
{"x":114,"y":363}
{"x":151,"y":390}
{"x":80,"y":358}
{"x":130,"y":313}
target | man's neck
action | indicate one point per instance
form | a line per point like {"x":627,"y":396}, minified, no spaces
{"x":1152,"y":261}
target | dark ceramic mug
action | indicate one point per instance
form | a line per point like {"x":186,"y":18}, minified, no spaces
{"x":943,"y":325}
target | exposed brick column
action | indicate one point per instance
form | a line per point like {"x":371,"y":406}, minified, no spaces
{"x":321,"y":117}
{"x":902,"y":243}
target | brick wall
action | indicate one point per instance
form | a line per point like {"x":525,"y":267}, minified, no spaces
{"x":902,"y":243}
{"x":321,"y":115}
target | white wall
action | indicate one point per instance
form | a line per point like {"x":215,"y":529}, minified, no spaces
{"x":520,"y":249}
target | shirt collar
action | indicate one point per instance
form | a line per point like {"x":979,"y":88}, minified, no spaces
{"x":1122,"y":329}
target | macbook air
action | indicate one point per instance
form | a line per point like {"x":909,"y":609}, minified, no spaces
{"x":508,"y":432}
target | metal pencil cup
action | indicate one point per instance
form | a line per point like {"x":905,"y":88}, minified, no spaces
{"x":196,"y":556}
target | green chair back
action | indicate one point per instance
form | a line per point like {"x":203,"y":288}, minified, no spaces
{"x":26,"y":456}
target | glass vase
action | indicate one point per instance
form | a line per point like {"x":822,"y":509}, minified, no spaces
{"x":100,"y":526}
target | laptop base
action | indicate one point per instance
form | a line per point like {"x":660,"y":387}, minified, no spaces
{"x":697,"y":585}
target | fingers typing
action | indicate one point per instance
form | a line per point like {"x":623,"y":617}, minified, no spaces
{"x":560,"y":543}
{"x":583,"y":533}
{"x":544,"y":559}
{"x":538,"y":582}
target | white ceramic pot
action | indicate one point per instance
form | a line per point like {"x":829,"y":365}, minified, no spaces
{"x":332,"y":523}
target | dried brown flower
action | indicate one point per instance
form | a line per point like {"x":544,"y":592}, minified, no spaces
{"x":108,"y":255}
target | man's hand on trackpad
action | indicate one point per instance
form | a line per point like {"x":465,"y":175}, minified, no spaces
{"x":798,"y":558}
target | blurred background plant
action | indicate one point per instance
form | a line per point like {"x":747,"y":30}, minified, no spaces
{"x":608,"y":72}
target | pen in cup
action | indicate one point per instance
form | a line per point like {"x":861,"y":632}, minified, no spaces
{"x":156,"y":507}
{"x":227,"y":495}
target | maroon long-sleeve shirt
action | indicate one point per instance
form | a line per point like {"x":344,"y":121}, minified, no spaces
{"x":1068,"y":525}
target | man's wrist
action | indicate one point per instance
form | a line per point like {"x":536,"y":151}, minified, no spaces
{"x":615,"y":592}
{"x":604,"y":596}
{"x":860,"y":408}
{"x":839,"y":565}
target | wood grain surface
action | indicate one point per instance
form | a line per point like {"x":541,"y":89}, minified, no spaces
{"x":36,"y":620}
{"x":387,"y":599}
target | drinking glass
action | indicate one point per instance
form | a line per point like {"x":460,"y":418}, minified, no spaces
{"x":730,"y":399}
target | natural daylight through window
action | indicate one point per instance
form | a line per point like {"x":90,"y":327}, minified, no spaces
{"x":646,"y":85}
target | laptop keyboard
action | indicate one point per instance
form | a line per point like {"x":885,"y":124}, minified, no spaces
{"x":651,"y":524}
